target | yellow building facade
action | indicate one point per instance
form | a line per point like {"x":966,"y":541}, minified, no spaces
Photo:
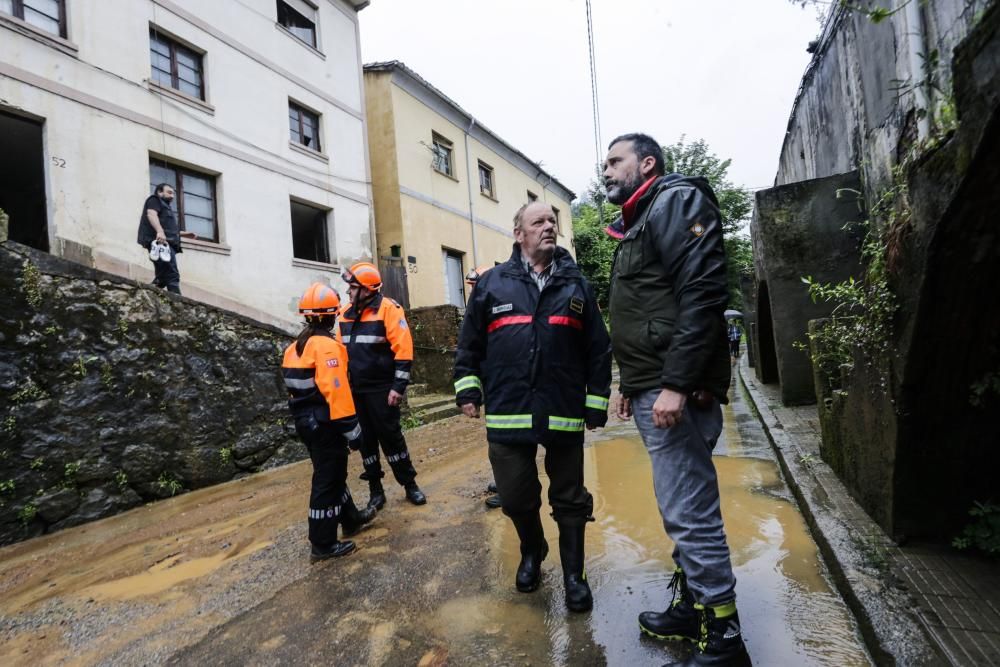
{"x":444,"y":188}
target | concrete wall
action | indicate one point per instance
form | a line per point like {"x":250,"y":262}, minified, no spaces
{"x":425,"y":211}
{"x":803,"y":229}
{"x":911,"y":428}
{"x":850,"y":112}
{"x":103,"y":120}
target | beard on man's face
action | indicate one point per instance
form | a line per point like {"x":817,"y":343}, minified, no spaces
{"x":619,"y":192}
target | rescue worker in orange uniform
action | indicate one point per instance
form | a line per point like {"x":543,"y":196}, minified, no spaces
{"x":315,"y":373}
{"x":380,"y":349}
{"x":471,"y":278}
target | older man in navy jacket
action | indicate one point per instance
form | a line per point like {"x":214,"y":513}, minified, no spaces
{"x":534,"y":346}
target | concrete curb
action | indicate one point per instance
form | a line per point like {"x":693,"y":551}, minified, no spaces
{"x":855,"y":548}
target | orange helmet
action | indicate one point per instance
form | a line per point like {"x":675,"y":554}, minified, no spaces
{"x":319,"y":299}
{"x":364,"y":274}
{"x":475,"y":274}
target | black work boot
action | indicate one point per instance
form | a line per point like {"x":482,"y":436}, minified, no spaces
{"x":414,"y":494}
{"x":720,"y":641}
{"x":534,"y":549}
{"x":335,"y":550}
{"x":354,"y":518}
{"x":376,"y":494}
{"x":493,"y":502}
{"x":679,"y":621}
{"x":578,"y":596}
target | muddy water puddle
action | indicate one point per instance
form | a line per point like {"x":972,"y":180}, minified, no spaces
{"x":790,"y":613}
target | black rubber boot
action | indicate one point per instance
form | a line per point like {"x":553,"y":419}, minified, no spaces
{"x":680,"y":620}
{"x":335,"y":550}
{"x":414,"y":494}
{"x":578,"y":596}
{"x":534,"y":549}
{"x":493,"y":502}
{"x":376,"y":495}
{"x":354,"y":518}
{"x":720,"y":641}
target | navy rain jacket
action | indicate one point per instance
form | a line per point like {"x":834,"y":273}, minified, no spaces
{"x":542,"y":359}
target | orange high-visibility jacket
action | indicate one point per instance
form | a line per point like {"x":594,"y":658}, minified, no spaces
{"x":379,"y":345}
{"x":317,"y":383}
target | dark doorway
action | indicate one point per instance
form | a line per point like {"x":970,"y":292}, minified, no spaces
{"x":22,"y":180}
{"x":767,"y":359}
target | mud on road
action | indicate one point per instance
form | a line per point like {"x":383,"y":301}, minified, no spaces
{"x":222,"y":575}
{"x":142,"y":586}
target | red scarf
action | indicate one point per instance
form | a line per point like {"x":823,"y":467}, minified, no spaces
{"x":628,"y":210}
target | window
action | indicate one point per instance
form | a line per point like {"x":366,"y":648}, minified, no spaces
{"x":303,"y":125}
{"x":442,"y":154}
{"x":194,"y":200}
{"x":175,"y":65}
{"x":309,"y":237}
{"x":486,"y":180}
{"x":47,"y":15}
{"x":298,"y":18}
{"x":555,"y":212}
{"x":532,"y":196}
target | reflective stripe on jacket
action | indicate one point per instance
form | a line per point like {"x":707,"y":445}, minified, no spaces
{"x":542,"y":359}
{"x":379,"y":346}
{"x":317,"y":383}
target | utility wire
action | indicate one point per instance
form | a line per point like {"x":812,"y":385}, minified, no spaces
{"x":596,"y":107}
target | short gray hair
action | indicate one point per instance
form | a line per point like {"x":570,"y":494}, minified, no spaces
{"x":520,"y":212}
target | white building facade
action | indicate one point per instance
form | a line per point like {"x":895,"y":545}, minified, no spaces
{"x":252,"y":109}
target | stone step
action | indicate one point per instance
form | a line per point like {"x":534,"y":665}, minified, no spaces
{"x":414,"y":390}
{"x":430,"y":402}
{"x":436,"y":413}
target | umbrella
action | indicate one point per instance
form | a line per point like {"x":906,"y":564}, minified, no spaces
{"x":730,"y":314}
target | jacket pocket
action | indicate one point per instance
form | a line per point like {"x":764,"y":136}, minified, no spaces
{"x":660,"y":332}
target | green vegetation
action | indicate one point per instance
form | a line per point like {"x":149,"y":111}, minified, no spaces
{"x":28,"y":392}
{"x":412,"y":420}
{"x":27,"y":513}
{"x":595,"y":249}
{"x":107,"y":376}
{"x":862,"y":316}
{"x":984,"y":531}
{"x":168,"y":483}
{"x":31,"y":284}
{"x":37,"y":463}
{"x":226,"y":455}
{"x":69,"y":474}
{"x":121,"y":479}
{"x":9,"y":424}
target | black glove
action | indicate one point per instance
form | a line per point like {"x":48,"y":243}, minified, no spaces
{"x":596,"y":418}
{"x":354,"y":445}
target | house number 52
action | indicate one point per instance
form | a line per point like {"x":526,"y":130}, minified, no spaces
{"x":59,"y":162}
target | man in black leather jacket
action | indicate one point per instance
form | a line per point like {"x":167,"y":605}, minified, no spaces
{"x":668,"y":333}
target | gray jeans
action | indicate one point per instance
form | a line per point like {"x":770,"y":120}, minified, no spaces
{"x":687,"y":492}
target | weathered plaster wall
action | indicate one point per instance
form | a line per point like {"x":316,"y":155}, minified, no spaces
{"x":114,"y":393}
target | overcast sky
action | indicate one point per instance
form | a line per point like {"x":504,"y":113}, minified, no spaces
{"x":721,"y":70}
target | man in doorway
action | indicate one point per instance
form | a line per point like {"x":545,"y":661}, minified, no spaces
{"x":380,"y":356}
{"x":534,"y":349}
{"x":160,"y":234}
{"x":667,"y":298}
